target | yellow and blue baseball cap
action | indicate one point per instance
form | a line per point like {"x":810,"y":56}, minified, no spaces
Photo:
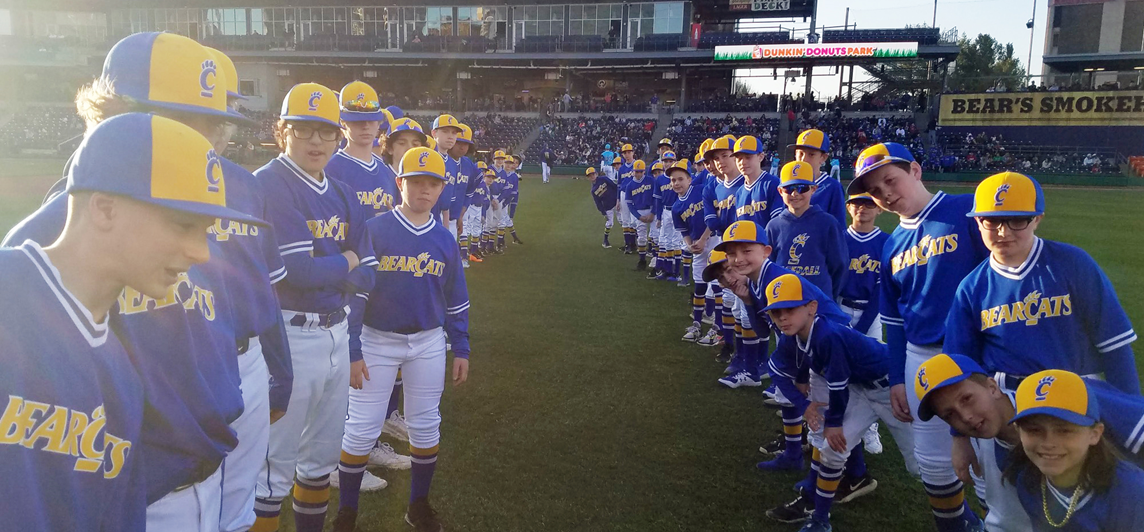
{"x":1008,"y":194}
{"x":227,"y":70}
{"x":715,"y":262}
{"x":421,"y":161}
{"x":395,"y":112}
{"x":591,"y":170}
{"x":796,"y":173}
{"x":1058,"y":393}
{"x":812,"y":139}
{"x":446,"y":120}
{"x":680,"y":166}
{"x":938,"y":372}
{"x":658,"y":165}
{"x":406,"y":124}
{"x":482,"y":165}
{"x":618,"y":160}
{"x":155,"y":160}
{"x":700,"y":154}
{"x":499,"y":154}
{"x":168,"y":71}
{"x":466,"y":134}
{"x":875,"y":157}
{"x":744,"y":231}
{"x":311,"y":102}
{"x":748,"y":144}
{"x":386,"y":122}
{"x":786,"y":291}
{"x":359,"y":103}
{"x":726,"y":142}
{"x":626,"y":147}
{"x":665,"y":142}
{"x":639,"y":165}
{"x":865,"y":196}
{"x":430,"y":143}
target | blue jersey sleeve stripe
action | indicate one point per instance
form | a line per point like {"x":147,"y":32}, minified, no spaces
{"x":1136,"y":439}
{"x":296,"y":247}
{"x":892,"y":321}
{"x":369,"y":261}
{"x":1117,"y":341}
{"x":363,"y":295}
{"x":458,"y":309}
{"x":277,"y":275}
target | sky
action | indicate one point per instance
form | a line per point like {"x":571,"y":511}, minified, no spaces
{"x":1003,"y":19}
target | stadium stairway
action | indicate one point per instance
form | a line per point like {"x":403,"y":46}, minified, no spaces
{"x":528,"y":139}
{"x":663,"y":121}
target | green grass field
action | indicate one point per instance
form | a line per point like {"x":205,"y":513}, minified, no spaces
{"x":585,"y":411}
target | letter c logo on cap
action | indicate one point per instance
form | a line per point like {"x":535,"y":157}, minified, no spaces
{"x":999,"y":196}
{"x":1042,"y":389}
{"x":314,"y":99}
{"x":207,"y":79}
{"x":214,"y":171}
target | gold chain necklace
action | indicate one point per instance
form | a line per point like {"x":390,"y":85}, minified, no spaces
{"x":1045,"y":504}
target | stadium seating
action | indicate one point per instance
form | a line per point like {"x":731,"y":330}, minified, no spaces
{"x":659,"y":42}
{"x":994,"y":153}
{"x":923,"y":36}
{"x":539,"y":44}
{"x":40,"y":128}
{"x":490,"y":131}
{"x":713,"y":39}
{"x":581,"y":140}
{"x":584,"y":43}
{"x":688,"y":133}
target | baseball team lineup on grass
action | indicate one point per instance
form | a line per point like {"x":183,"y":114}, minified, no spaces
{"x":584,"y":410}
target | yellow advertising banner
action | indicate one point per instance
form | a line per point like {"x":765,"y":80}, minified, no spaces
{"x":1095,"y":108}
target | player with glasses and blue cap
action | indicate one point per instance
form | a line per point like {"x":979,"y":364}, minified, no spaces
{"x":813,"y":148}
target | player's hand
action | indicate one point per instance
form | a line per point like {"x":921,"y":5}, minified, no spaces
{"x":739,"y":288}
{"x":899,"y":403}
{"x":275,"y":415}
{"x":696,"y":248}
{"x":964,"y":457}
{"x":352,"y":259}
{"x":803,"y":388}
{"x":835,"y":438}
{"x":813,"y":415}
{"x":358,"y":371}
{"x":460,"y":370}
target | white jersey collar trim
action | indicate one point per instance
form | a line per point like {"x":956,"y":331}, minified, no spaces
{"x":408,"y":225}
{"x":913,"y":223}
{"x":319,"y":187}
{"x":94,"y":333}
{"x":866,"y":237}
{"x":1020,"y":272}
{"x":370,"y":166}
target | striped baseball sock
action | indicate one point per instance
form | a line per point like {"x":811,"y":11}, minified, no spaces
{"x":643,"y":252}
{"x":792,"y":431}
{"x":677,"y":262}
{"x":351,"y":469}
{"x":266,"y":515}
{"x":464,"y":243}
{"x":805,"y":485}
{"x":740,"y":351}
{"x":697,"y":302}
{"x":828,"y":479}
{"x":311,"y":499}
{"x":751,"y":349}
{"x":512,"y":231}
{"x":686,"y":274}
{"x":717,"y":308}
{"x":728,"y":323}
{"x":708,"y":304}
{"x":424,"y":463}
{"x":394,"y":396}
{"x":630,"y":237}
{"x":949,"y":508}
{"x":500,"y":238}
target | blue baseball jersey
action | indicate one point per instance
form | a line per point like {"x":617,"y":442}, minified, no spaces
{"x":625,"y":174}
{"x":1056,"y":311}
{"x":251,"y":264}
{"x":830,"y":197}
{"x":605,"y":193}
{"x":1117,"y":510}
{"x":420,"y":284}
{"x":665,"y":196}
{"x":719,"y":204}
{"x":466,"y":182}
{"x":496,"y":188}
{"x":843,"y":356}
{"x":687,"y":213}
{"x":860,"y":286}
{"x":810,"y":245}
{"x":374,"y":187}
{"x":924,"y":261}
{"x":70,"y":428}
{"x":183,"y":348}
{"x":445,"y":200}
{"x":640,"y":200}
{"x":479,"y":198}
{"x":759,"y":201}
{"x":510,"y":190}
{"x":1123,"y":416}
{"x":315,"y":222}
{"x":607,"y":157}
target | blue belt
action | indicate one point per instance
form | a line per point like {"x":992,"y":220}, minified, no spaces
{"x":324,"y":320}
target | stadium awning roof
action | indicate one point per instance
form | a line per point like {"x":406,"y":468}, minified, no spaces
{"x":1106,"y":61}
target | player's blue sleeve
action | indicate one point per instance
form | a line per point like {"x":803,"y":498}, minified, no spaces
{"x":775,"y":199}
{"x":354,"y":323}
{"x":871,"y":311}
{"x":836,"y":206}
{"x":892,"y":323}
{"x":457,"y":306}
{"x":784,"y":371}
{"x":1126,"y":493}
{"x":361,"y":278}
{"x":276,"y":352}
{"x":710,"y":214}
{"x":1106,"y":322}
{"x":772,"y":232}
{"x":836,"y":371}
{"x":836,"y":260}
{"x":43,"y":226}
{"x":962,"y":326}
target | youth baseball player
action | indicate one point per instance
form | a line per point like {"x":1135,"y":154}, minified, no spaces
{"x":355,"y":164}
{"x":640,"y":205}
{"x":113,"y":208}
{"x":494,"y":216}
{"x":864,"y":243}
{"x":813,"y":148}
{"x":446,"y":129}
{"x":605,"y":195}
{"x":719,"y":214}
{"x":687,"y":219}
{"x":933,"y":248}
{"x":478,"y":205}
{"x":321,"y":234}
{"x":670,"y":241}
{"x":466,"y":182}
{"x":806,"y":239}
{"x":419,"y":265}
{"x":625,"y":171}
{"x":511,"y":196}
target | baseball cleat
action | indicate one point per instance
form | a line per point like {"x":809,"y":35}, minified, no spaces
{"x":775,"y":447}
{"x":726,"y":353}
{"x":850,"y":489}
{"x":711,"y":339}
{"x":693,"y":333}
{"x":422,"y":517}
{"x":652,"y":275}
{"x":814,"y":525}
{"x":346,"y":521}
{"x":607,"y":245}
{"x":795,"y":511}
{"x":628,"y":251}
{"x":782,"y":462}
{"x":672,"y":279}
{"x":683,"y":282}
{"x":465,"y":263}
{"x":641,"y":265}
{"x":395,"y":427}
{"x":709,"y":319}
{"x":474,"y":258}
{"x":516,"y":240}
{"x":743,"y":378}
{"x":369,"y":482}
{"x":383,"y":455}
{"x":872,"y":440}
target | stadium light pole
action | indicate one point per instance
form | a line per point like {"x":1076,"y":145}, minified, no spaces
{"x":934,"y":23}
{"x":1032,"y":30}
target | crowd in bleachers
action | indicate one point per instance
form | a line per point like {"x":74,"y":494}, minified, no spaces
{"x":40,"y":128}
{"x":965,"y":152}
{"x":579,"y":141}
{"x":687,"y":133}
{"x":491,"y":131}
{"x":850,"y":135}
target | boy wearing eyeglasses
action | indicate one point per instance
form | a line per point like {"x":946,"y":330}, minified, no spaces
{"x":806,"y":239}
{"x":1036,"y":304}
{"x":933,"y":248}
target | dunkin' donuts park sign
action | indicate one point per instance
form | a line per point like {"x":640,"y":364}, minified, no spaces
{"x":764,"y":52}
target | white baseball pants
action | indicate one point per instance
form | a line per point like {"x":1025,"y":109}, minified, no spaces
{"x":546,"y":171}
{"x":875,"y":330}
{"x":307,"y":440}
{"x":242,"y":465}
{"x":194,"y":509}
{"x":866,"y":406}
{"x":453,"y":228}
{"x":933,"y":445}
{"x":473,"y":223}
{"x":421,"y":359}
{"x":699,"y":261}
